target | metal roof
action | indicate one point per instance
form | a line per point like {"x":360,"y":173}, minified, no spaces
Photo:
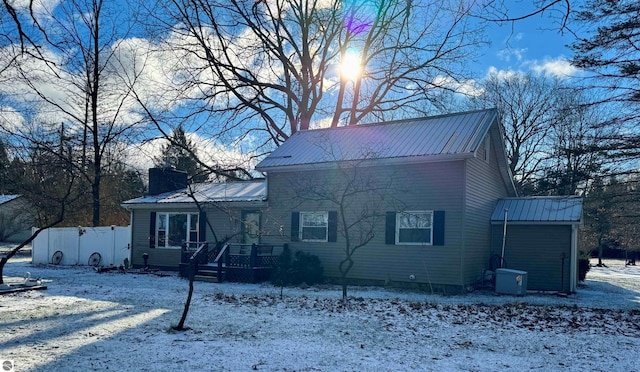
{"x":240,"y":191}
{"x":559,"y":209}
{"x":426,"y":139}
{"x":8,"y":198}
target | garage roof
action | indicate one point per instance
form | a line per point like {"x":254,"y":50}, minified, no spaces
{"x":543,"y":209}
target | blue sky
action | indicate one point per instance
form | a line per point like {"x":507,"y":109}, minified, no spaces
{"x":526,"y":45}
{"x":530,"y":44}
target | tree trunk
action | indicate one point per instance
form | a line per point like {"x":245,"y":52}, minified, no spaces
{"x":344,"y":289}
{"x":187,"y":305}
{"x":600,"y":252}
{"x":95,"y":193}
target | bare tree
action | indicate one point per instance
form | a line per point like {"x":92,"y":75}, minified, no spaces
{"x":502,"y":11}
{"x":611,"y":213}
{"x":360,"y":195}
{"x":78,"y":86}
{"x":527,"y":104}
{"x":278,"y":62}
{"x":573,"y":159}
{"x":49,"y":185}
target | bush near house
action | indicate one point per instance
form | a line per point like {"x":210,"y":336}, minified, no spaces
{"x":583,"y":266}
{"x":303,"y":268}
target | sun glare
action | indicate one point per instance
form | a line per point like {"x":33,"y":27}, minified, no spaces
{"x":351,"y":66}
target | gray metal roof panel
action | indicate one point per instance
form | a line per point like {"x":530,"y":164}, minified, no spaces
{"x":7,"y":198}
{"x":539,"y":209}
{"x":453,"y":134}
{"x":241,"y":191}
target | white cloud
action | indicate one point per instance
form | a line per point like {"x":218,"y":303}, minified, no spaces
{"x":557,"y":67}
{"x":467,"y":87}
{"x":41,"y":8}
{"x":10,"y":119}
{"x":502,"y":74}
{"x":506,"y":54}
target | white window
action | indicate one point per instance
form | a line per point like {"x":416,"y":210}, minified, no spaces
{"x":173,"y":229}
{"x":414,"y":227}
{"x":314,"y":226}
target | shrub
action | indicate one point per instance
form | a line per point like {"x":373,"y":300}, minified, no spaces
{"x":303,"y":268}
{"x":306,"y":268}
{"x":583,"y":267}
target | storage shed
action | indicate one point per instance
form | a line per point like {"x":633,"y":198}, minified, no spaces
{"x":16,"y":219}
{"x":541,"y":238}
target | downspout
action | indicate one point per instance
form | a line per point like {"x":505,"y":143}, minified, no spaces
{"x":573,"y":275}
{"x":504,"y":237}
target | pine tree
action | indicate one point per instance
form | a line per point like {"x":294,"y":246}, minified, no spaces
{"x":181,"y":153}
{"x":4,"y":169}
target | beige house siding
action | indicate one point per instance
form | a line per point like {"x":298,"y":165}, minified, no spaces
{"x":538,"y":250}
{"x":424,"y":186}
{"x":484,"y":187}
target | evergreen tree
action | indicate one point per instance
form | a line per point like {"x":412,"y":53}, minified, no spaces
{"x":4,"y":169}
{"x":181,"y":153}
{"x":609,"y":51}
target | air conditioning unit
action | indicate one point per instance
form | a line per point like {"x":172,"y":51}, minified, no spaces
{"x":512,"y":282}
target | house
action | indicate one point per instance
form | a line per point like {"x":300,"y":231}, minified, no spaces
{"x":415,"y":200}
{"x":15,"y":219}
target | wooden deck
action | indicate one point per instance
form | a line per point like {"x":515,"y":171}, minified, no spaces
{"x":231,"y":262}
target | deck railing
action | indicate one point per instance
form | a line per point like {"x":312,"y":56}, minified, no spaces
{"x":231,"y":261}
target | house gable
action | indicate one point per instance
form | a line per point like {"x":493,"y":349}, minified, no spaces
{"x":432,"y":139}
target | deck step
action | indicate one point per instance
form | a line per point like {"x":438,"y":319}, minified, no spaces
{"x":207,"y":273}
{"x":206,"y":278}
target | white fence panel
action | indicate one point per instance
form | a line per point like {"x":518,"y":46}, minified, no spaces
{"x":77,"y":244}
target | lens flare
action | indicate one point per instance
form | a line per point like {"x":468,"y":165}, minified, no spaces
{"x":359,"y":15}
{"x":351,"y":65}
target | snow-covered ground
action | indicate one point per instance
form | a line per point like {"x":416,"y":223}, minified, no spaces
{"x":121,"y":322}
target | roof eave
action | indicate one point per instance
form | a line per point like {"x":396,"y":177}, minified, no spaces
{"x":369,"y":162}
{"x":183,"y":205}
{"x":511,"y":223}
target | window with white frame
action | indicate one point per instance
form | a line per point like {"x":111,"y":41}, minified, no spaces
{"x":172,"y":229}
{"x":414,"y":227}
{"x":314,"y":226}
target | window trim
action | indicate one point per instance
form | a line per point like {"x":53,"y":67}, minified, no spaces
{"x":302,"y":226}
{"x":189,"y":223}
{"x":397,"y":227}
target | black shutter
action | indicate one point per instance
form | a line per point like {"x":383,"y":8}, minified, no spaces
{"x":152,"y":230}
{"x":295,"y":226}
{"x":333,"y":227}
{"x":390,"y":228}
{"x":202,"y":226}
{"x":438,"y":228}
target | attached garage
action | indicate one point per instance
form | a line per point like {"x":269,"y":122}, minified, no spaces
{"x":539,"y":235}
